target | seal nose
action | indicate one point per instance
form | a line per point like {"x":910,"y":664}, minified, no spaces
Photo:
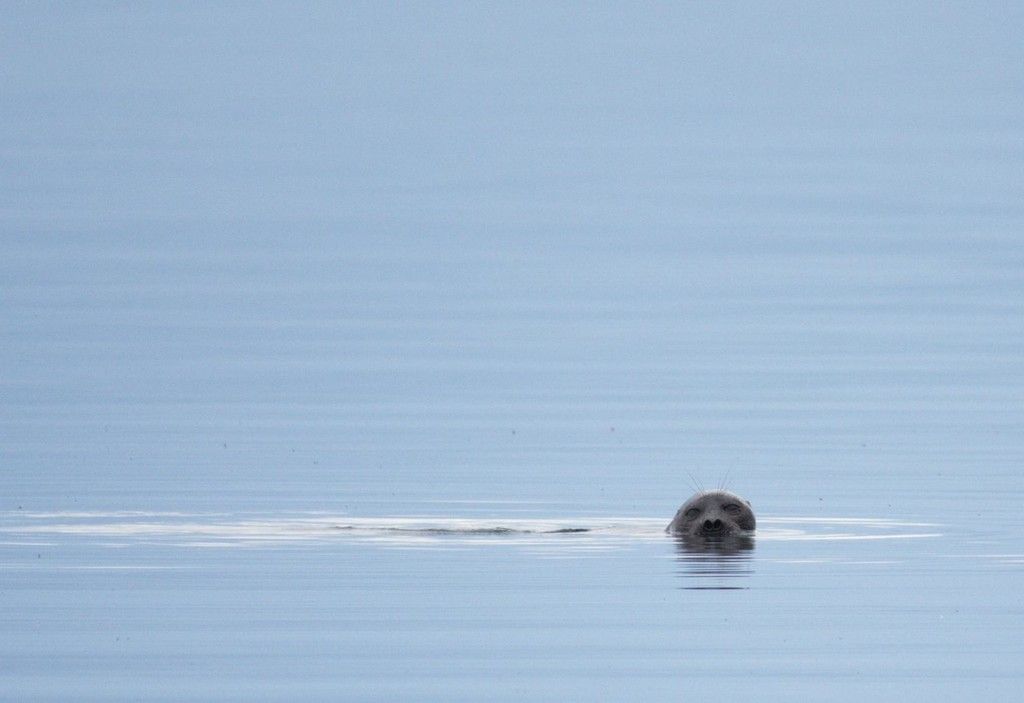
{"x":712,"y":525}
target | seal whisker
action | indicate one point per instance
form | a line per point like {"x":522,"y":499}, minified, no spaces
{"x":695,"y":483}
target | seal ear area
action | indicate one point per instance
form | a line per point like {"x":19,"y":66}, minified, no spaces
{"x":671,"y":527}
{"x":749,"y":522}
{"x":680,"y":518}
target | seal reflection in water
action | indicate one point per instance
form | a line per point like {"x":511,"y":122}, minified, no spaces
{"x":714,"y":539}
{"x":716,"y":563}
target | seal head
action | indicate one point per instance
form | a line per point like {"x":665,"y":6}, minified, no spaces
{"x":713,"y":514}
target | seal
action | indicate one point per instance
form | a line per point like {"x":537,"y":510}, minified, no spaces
{"x":713,"y":514}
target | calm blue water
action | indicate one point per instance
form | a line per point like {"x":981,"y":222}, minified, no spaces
{"x":298,"y":303}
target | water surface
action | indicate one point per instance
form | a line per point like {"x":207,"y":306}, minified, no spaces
{"x":319,"y":322}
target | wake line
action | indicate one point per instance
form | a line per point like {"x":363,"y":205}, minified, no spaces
{"x":225,"y":530}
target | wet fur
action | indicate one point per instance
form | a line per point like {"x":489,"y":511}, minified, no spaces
{"x":715,"y":513}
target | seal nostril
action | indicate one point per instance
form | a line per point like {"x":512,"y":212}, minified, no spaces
{"x":708,"y":525}
{"x":716,"y":524}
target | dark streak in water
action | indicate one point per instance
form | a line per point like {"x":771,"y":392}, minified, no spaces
{"x":468,"y":530}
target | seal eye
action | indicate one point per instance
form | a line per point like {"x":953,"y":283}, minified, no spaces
{"x":732,"y":509}
{"x":691,"y":513}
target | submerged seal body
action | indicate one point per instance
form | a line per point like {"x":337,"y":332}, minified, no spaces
{"x":713,"y":514}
